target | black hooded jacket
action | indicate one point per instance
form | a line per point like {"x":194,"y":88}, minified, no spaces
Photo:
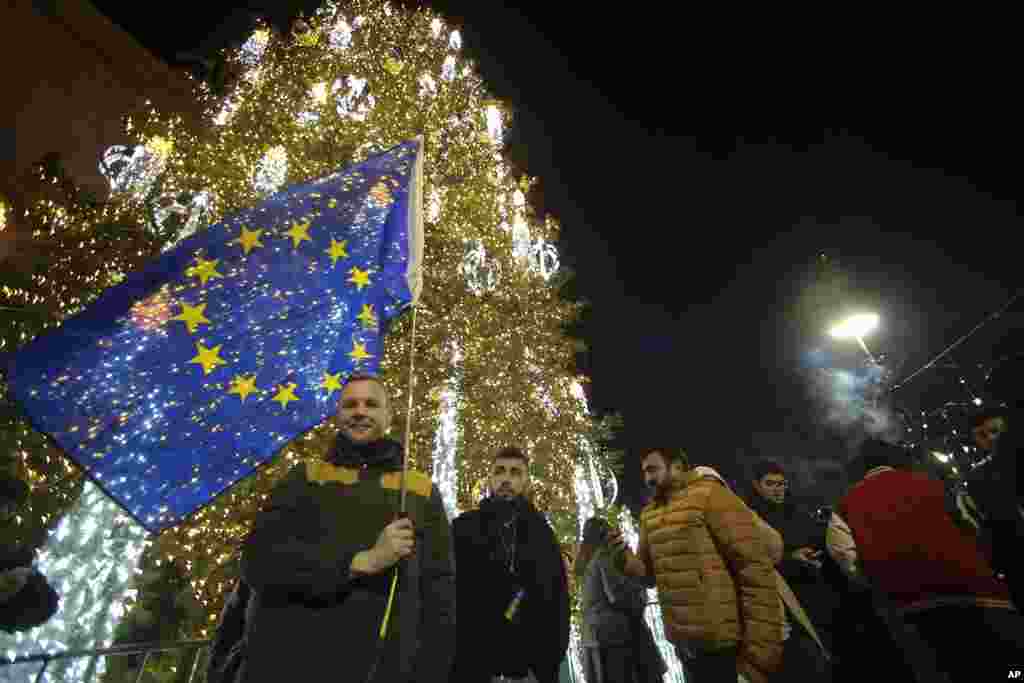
{"x":489,"y":644}
{"x":307,"y":618}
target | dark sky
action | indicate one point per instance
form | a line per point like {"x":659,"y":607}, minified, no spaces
{"x":699,"y":171}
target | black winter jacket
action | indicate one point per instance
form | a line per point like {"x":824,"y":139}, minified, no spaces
{"x":489,"y":644}
{"x":308,"y":618}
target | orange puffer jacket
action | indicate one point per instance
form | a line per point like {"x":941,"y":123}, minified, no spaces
{"x":716,"y":581}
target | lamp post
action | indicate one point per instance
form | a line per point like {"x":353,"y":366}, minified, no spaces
{"x":857,"y":327}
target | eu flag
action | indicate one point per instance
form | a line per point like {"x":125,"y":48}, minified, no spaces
{"x":181,"y":380}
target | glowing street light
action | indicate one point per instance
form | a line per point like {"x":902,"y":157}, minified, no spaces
{"x":857,"y":327}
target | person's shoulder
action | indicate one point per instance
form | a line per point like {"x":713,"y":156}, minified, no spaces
{"x":466,"y":519}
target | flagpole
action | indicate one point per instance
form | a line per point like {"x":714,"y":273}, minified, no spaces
{"x":416,"y":265}
{"x":416,"y":284}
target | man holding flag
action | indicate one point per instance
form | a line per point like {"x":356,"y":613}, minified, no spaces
{"x":320,"y":557}
{"x":187,"y":376}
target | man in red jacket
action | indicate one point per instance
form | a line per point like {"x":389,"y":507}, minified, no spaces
{"x":892,"y":531}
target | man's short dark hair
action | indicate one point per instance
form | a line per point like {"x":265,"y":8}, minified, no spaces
{"x":766,"y":467}
{"x":670,"y":456}
{"x":512,"y":453}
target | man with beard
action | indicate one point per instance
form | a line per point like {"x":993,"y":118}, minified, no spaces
{"x":513,"y":596}
{"x":715,"y":577}
{"x":319,"y":562}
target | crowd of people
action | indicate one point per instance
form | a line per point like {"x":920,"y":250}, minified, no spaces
{"x":908,"y":573}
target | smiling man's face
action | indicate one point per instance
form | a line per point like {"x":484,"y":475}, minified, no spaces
{"x":363,"y":411}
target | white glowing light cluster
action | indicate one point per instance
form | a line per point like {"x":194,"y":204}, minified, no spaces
{"x":446,"y":444}
{"x":536,"y":255}
{"x":481,"y":273}
{"x":653,"y":612}
{"x":133,"y":170}
{"x":271,"y":170}
{"x":89,"y":560}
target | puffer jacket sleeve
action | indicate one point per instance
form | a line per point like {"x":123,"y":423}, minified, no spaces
{"x":742,"y":544}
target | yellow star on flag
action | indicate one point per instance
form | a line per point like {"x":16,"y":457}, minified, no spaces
{"x":243,"y":386}
{"x":331,"y":383}
{"x":204,"y":270}
{"x":367,"y":316}
{"x":208,"y":358}
{"x":249,"y":239}
{"x":286,"y":393}
{"x":299,"y":233}
{"x":192,"y":316}
{"x":358,"y":352}
{"x":331,"y":203}
{"x":360,"y":278}
{"x":337,"y":250}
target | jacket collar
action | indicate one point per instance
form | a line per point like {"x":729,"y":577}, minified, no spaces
{"x":383,"y":453}
{"x":688,"y":478}
{"x":878,"y":470}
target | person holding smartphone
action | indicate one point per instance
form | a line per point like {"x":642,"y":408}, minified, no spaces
{"x":803,"y":540}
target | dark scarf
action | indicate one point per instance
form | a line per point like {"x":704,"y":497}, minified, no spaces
{"x":501,"y":520}
{"x":383,"y":453}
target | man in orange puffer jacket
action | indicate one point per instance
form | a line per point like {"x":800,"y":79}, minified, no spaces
{"x":704,"y":549}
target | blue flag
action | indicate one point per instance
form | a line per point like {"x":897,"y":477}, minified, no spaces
{"x":181,"y":380}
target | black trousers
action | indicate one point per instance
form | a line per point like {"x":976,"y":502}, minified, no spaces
{"x":610,"y":665}
{"x":802,"y":660}
{"x":713,"y":667}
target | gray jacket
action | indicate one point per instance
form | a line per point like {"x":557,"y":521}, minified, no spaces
{"x":608,"y":600}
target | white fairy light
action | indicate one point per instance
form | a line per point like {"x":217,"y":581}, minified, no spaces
{"x":446,"y":443}
{"x":271,"y":170}
{"x":93,"y":579}
{"x":448,"y":68}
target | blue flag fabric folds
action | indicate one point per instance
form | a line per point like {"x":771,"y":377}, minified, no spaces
{"x":181,"y":380}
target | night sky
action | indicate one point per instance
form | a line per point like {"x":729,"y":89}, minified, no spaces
{"x":699,"y":173}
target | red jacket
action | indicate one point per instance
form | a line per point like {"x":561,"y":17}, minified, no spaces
{"x":911,"y":549}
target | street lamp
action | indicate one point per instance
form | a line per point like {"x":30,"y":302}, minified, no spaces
{"x":857,"y":327}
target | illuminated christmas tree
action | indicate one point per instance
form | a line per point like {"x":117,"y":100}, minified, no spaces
{"x":493,"y":365}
